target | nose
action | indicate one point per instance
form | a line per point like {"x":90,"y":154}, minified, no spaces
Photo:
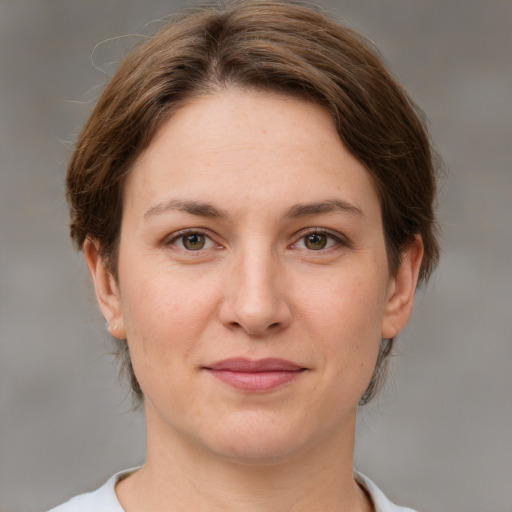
{"x":255,"y":296}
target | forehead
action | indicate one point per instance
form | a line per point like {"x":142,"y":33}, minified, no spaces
{"x":243,"y":119}
{"x":255,"y":145}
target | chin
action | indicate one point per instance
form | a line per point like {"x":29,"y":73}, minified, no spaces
{"x":257,"y":453}
{"x":258,"y":440}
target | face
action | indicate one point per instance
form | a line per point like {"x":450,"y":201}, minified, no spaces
{"x":253,"y":285}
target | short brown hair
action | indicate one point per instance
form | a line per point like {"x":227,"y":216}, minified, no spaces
{"x":277,"y":46}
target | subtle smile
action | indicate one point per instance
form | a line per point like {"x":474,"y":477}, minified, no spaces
{"x":255,"y":376}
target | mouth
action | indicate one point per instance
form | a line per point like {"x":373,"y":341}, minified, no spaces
{"x":255,"y":376}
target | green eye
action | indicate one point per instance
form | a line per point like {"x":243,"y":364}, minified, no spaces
{"x":194,"y":241}
{"x":316,"y":241}
{"x":190,"y":240}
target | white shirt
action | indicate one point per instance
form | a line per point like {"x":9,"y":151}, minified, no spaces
{"x":105,"y":499}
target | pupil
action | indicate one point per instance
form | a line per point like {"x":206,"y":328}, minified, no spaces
{"x":316,"y":241}
{"x":194,"y":242}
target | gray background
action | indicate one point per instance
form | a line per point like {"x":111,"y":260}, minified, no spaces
{"x":439,"y":438}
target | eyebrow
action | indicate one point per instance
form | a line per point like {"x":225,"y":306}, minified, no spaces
{"x":329,"y":206}
{"x":203,"y":209}
{"x":198,"y":208}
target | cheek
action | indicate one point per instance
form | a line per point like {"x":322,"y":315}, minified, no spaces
{"x":344,"y":316}
{"x":164,"y":315}
{"x":351,"y":303}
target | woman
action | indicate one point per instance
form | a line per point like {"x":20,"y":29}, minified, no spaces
{"x":253,"y":195}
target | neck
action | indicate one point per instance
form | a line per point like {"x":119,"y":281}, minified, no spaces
{"x":179,"y":476}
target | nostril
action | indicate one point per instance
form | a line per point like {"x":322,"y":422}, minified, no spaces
{"x":254,"y":313}
{"x":254,"y":330}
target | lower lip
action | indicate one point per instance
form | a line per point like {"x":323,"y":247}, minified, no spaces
{"x":255,"y":382}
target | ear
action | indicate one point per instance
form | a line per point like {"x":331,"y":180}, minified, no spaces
{"x":107,"y":290}
{"x":401,"y":291}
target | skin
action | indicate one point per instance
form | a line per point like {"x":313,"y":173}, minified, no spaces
{"x":261,"y":286}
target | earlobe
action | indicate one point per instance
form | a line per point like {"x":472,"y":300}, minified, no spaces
{"x":401,"y":292}
{"x":106,"y":288}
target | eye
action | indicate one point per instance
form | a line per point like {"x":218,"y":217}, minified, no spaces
{"x":318,"y":241}
{"x":192,"y":241}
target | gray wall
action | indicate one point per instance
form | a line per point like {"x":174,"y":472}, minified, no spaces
{"x":439,"y":438}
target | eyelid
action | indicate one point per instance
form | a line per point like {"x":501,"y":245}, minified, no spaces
{"x":171,"y":239}
{"x":340,"y":239}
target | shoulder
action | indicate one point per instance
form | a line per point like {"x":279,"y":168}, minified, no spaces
{"x":103,"y":499}
{"x":380,"y":501}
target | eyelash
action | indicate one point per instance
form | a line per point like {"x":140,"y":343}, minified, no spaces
{"x":338,"y":241}
{"x":180,"y":235}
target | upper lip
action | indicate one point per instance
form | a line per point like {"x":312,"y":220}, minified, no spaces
{"x":244,"y":365}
